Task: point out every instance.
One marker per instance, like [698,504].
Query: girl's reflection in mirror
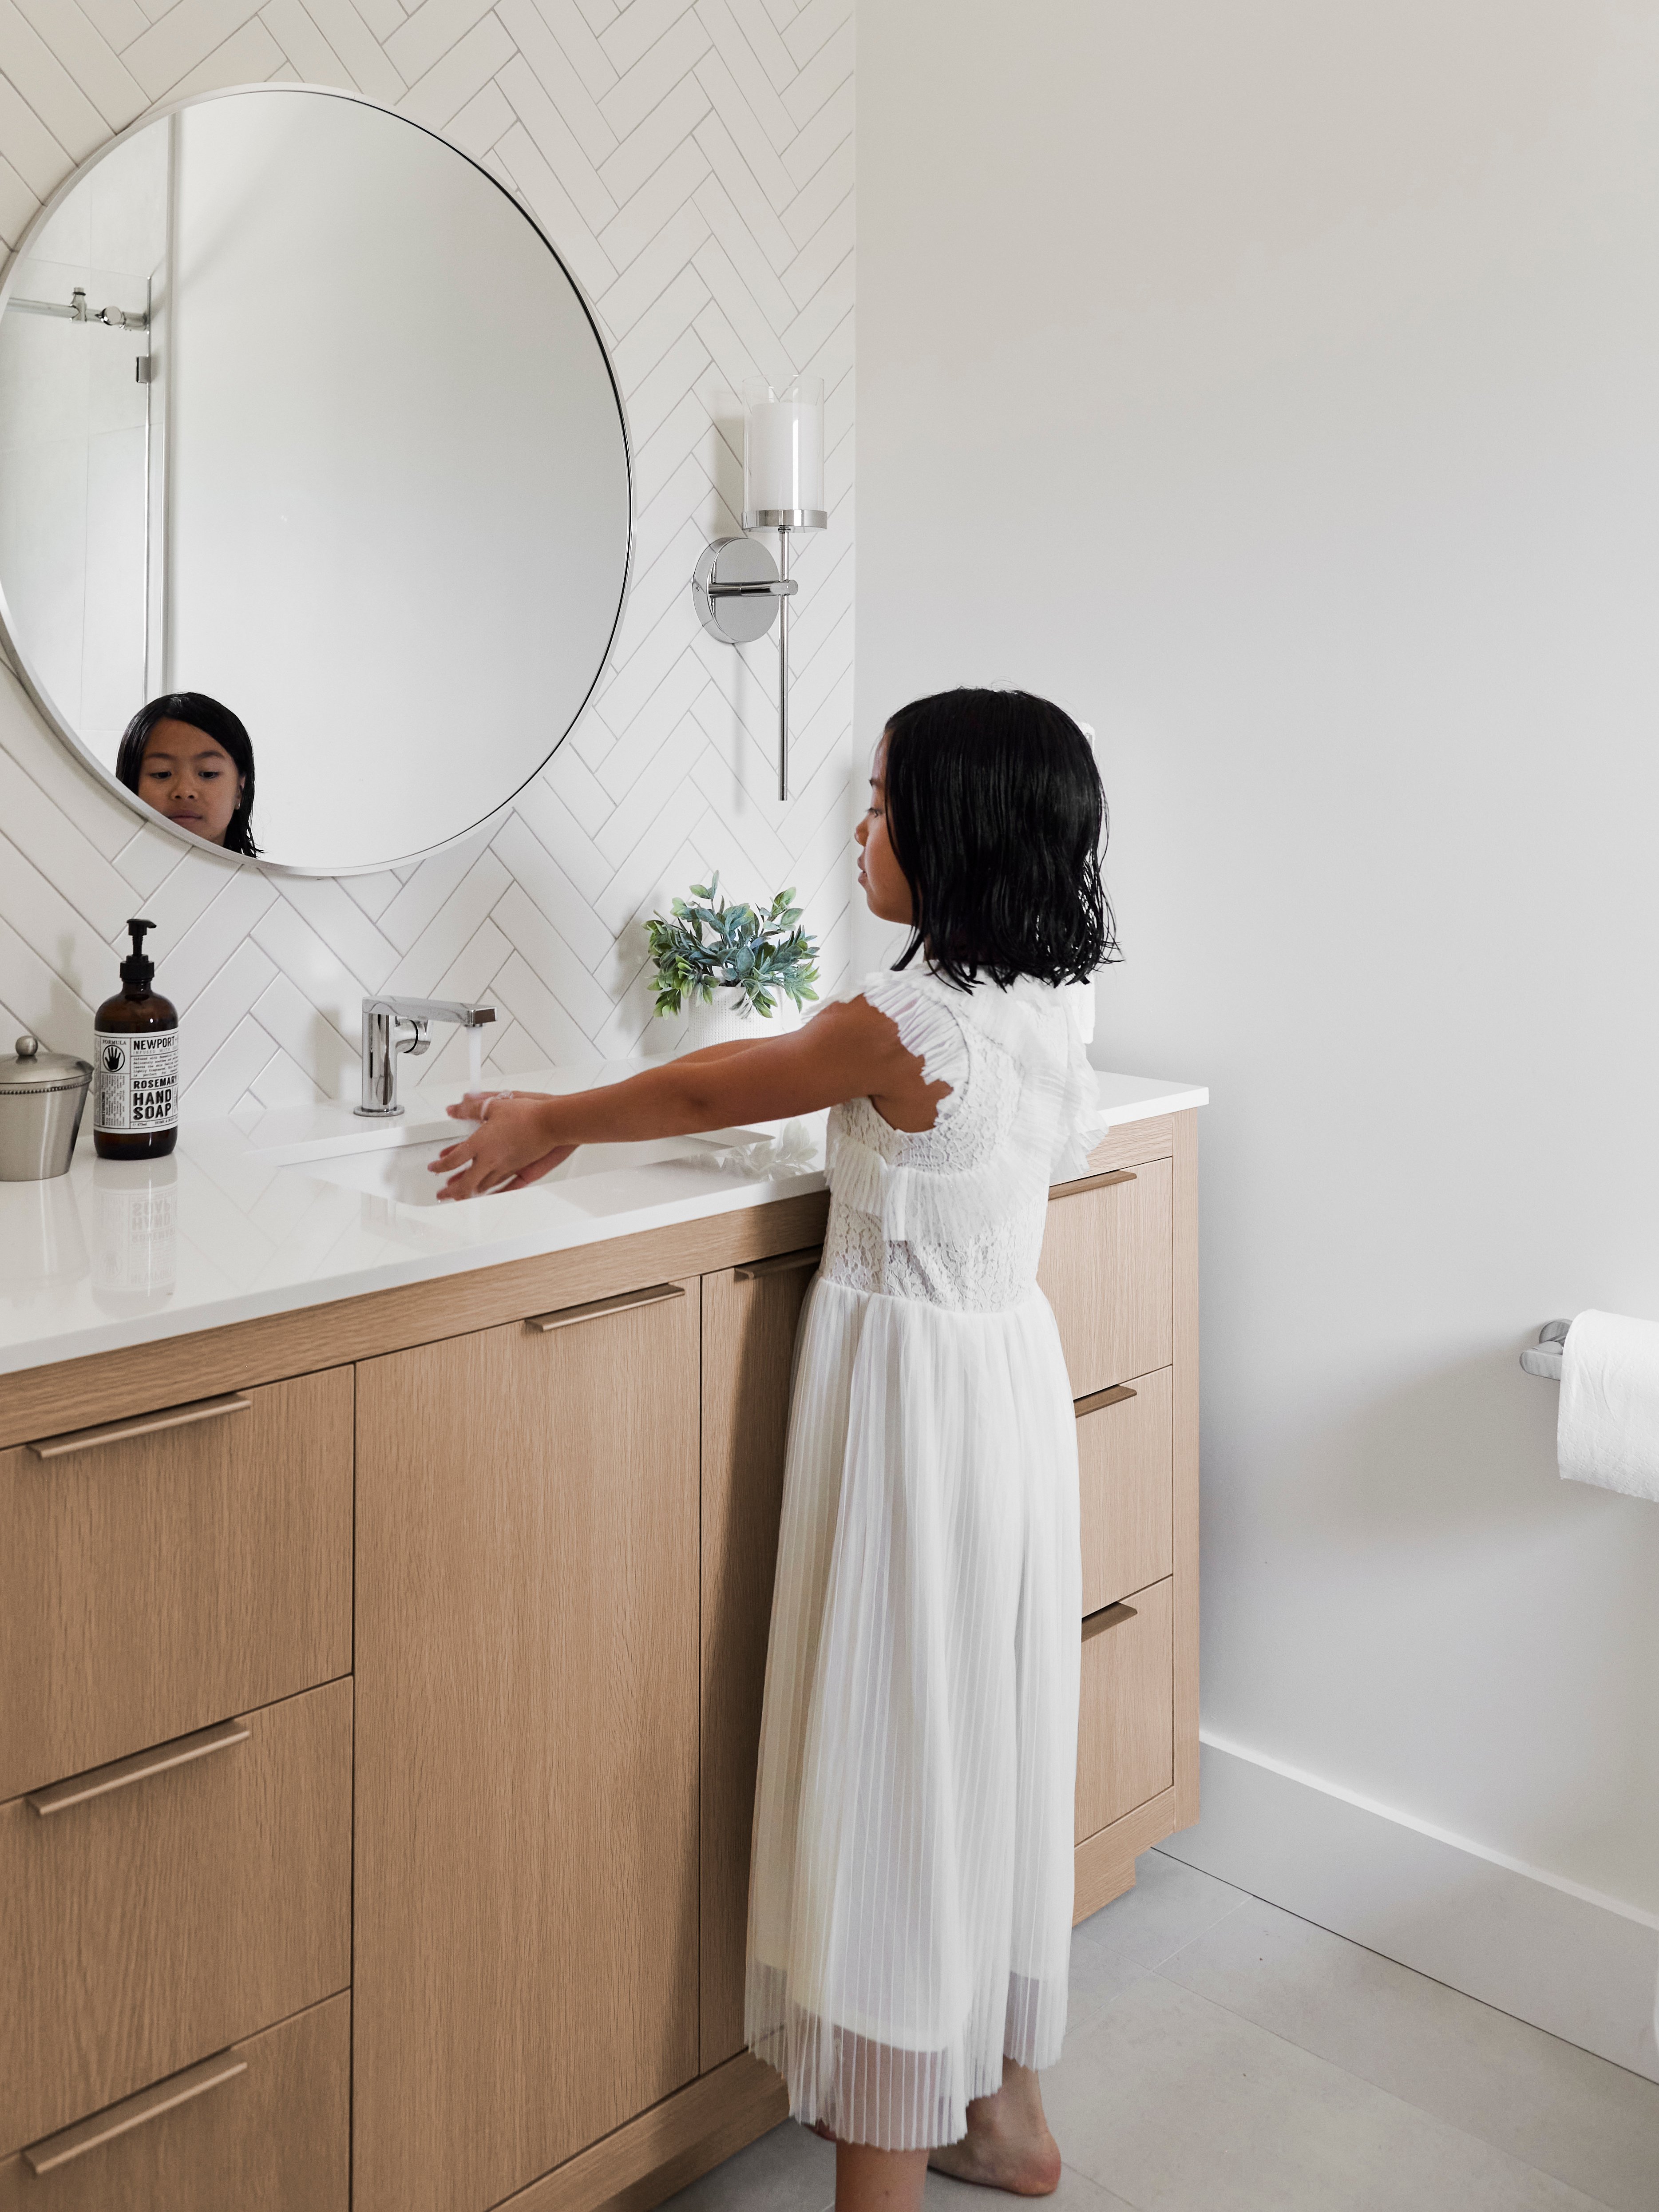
[191,759]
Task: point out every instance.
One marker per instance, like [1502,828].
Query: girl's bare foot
[1007,2145]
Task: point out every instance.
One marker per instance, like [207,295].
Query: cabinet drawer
[1107,1272]
[146,1927]
[274,2136]
[1124,1451]
[1125,1713]
[155,1583]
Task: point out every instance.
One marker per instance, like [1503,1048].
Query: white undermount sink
[400,1171]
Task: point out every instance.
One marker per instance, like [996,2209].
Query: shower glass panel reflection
[81,443]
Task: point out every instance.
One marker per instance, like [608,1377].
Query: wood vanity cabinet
[378,1739]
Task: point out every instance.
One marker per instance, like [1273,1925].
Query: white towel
[1608,1430]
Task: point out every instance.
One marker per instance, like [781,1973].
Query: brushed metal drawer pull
[140,1424]
[567,1316]
[132,2112]
[1092,1183]
[1101,1399]
[1110,1616]
[99,1781]
[786,1263]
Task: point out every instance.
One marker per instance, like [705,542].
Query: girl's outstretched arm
[847,1050]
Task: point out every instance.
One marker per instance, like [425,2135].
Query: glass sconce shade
[783,454]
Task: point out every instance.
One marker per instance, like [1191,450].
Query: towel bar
[1545,1358]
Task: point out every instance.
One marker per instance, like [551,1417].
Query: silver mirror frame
[19,659]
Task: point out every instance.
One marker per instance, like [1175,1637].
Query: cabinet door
[1107,1271]
[748,1323]
[525,1969]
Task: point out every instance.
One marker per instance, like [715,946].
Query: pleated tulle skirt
[910,1902]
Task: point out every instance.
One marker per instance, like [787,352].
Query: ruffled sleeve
[1037,1026]
[917,1006]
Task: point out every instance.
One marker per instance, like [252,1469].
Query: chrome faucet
[381,1048]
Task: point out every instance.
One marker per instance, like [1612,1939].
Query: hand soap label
[136,1078]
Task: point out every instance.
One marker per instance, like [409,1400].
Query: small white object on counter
[301,1207]
[1607,1428]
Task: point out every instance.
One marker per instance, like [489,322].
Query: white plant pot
[731,1019]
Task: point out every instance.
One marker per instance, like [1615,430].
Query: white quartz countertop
[308,1205]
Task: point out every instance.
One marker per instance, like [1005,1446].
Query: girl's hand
[507,1151]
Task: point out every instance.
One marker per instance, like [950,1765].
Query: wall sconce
[738,587]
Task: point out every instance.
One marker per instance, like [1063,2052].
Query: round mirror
[300,413]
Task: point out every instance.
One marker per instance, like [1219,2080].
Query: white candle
[783,448]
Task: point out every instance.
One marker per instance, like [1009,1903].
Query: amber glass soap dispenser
[135,1064]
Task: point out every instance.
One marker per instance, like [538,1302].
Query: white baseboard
[1578,1965]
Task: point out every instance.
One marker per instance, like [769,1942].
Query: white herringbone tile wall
[692,160]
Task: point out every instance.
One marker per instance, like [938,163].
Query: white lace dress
[910,1902]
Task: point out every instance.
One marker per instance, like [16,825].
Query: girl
[910,1891]
[191,759]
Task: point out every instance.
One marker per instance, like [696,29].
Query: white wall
[694,164]
[1277,385]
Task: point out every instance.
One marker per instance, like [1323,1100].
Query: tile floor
[1225,2056]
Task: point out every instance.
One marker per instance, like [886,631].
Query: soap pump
[135,1062]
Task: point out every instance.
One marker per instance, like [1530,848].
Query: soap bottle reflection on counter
[134,1214]
[135,1064]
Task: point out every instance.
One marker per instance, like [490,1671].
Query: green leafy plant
[706,945]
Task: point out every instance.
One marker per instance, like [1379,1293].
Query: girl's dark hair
[996,815]
[214,721]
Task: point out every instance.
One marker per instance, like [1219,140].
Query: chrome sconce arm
[738,589]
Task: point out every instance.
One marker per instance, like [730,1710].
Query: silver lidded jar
[42,1095]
